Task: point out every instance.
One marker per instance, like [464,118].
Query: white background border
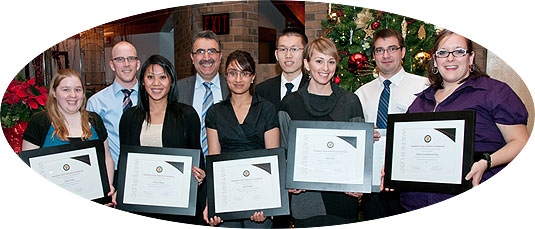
[30,27]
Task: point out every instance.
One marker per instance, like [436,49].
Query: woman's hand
[296,191]
[376,134]
[383,181]
[199,174]
[214,221]
[476,173]
[354,194]
[258,217]
[113,194]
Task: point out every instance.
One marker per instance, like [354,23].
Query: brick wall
[314,13]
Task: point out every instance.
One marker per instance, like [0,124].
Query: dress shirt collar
[395,79]
[117,87]
[199,81]
[295,81]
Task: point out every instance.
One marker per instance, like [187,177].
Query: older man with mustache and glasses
[206,87]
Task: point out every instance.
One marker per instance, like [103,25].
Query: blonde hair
[322,45]
[56,117]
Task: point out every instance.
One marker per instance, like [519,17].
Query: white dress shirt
[295,82]
[402,93]
[200,90]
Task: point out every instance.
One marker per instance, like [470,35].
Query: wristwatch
[487,158]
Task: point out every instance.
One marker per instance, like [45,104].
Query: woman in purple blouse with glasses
[458,84]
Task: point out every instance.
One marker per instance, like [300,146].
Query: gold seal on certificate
[330,156]
[429,151]
[157,180]
[77,167]
[241,183]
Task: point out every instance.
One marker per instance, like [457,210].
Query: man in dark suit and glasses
[289,54]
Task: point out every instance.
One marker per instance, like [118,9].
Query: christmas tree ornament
[333,18]
[404,28]
[357,62]
[343,40]
[421,32]
[421,59]
[337,80]
[375,72]
[375,25]
[369,32]
[351,36]
[438,29]
[362,18]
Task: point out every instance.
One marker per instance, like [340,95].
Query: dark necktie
[289,87]
[382,111]
[127,103]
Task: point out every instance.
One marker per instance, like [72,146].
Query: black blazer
[181,129]
[270,89]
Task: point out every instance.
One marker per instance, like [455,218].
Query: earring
[434,70]
[471,68]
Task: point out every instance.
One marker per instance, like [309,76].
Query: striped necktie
[207,101]
[127,103]
[382,111]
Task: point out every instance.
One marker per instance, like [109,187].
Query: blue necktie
[127,103]
[207,101]
[289,87]
[382,111]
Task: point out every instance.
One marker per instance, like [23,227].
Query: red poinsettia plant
[21,100]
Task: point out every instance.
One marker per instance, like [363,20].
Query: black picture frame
[99,152]
[155,151]
[236,156]
[364,187]
[467,157]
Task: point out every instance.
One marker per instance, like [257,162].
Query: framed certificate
[242,183]
[330,156]
[429,152]
[78,167]
[157,180]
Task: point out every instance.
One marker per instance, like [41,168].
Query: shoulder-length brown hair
[56,117]
[436,80]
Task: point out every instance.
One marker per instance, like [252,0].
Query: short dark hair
[206,34]
[292,31]
[245,61]
[143,96]
[386,33]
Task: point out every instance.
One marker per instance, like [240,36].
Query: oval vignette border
[503,193]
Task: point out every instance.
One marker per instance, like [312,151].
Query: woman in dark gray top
[321,100]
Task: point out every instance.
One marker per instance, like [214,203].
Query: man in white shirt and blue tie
[392,92]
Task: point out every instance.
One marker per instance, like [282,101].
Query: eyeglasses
[121,59]
[455,53]
[292,50]
[243,74]
[389,49]
[211,51]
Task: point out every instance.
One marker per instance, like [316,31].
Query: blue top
[107,103]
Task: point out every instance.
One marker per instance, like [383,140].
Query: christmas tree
[352,29]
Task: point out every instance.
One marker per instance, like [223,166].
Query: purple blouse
[493,101]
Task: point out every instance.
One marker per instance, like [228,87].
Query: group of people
[227,113]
